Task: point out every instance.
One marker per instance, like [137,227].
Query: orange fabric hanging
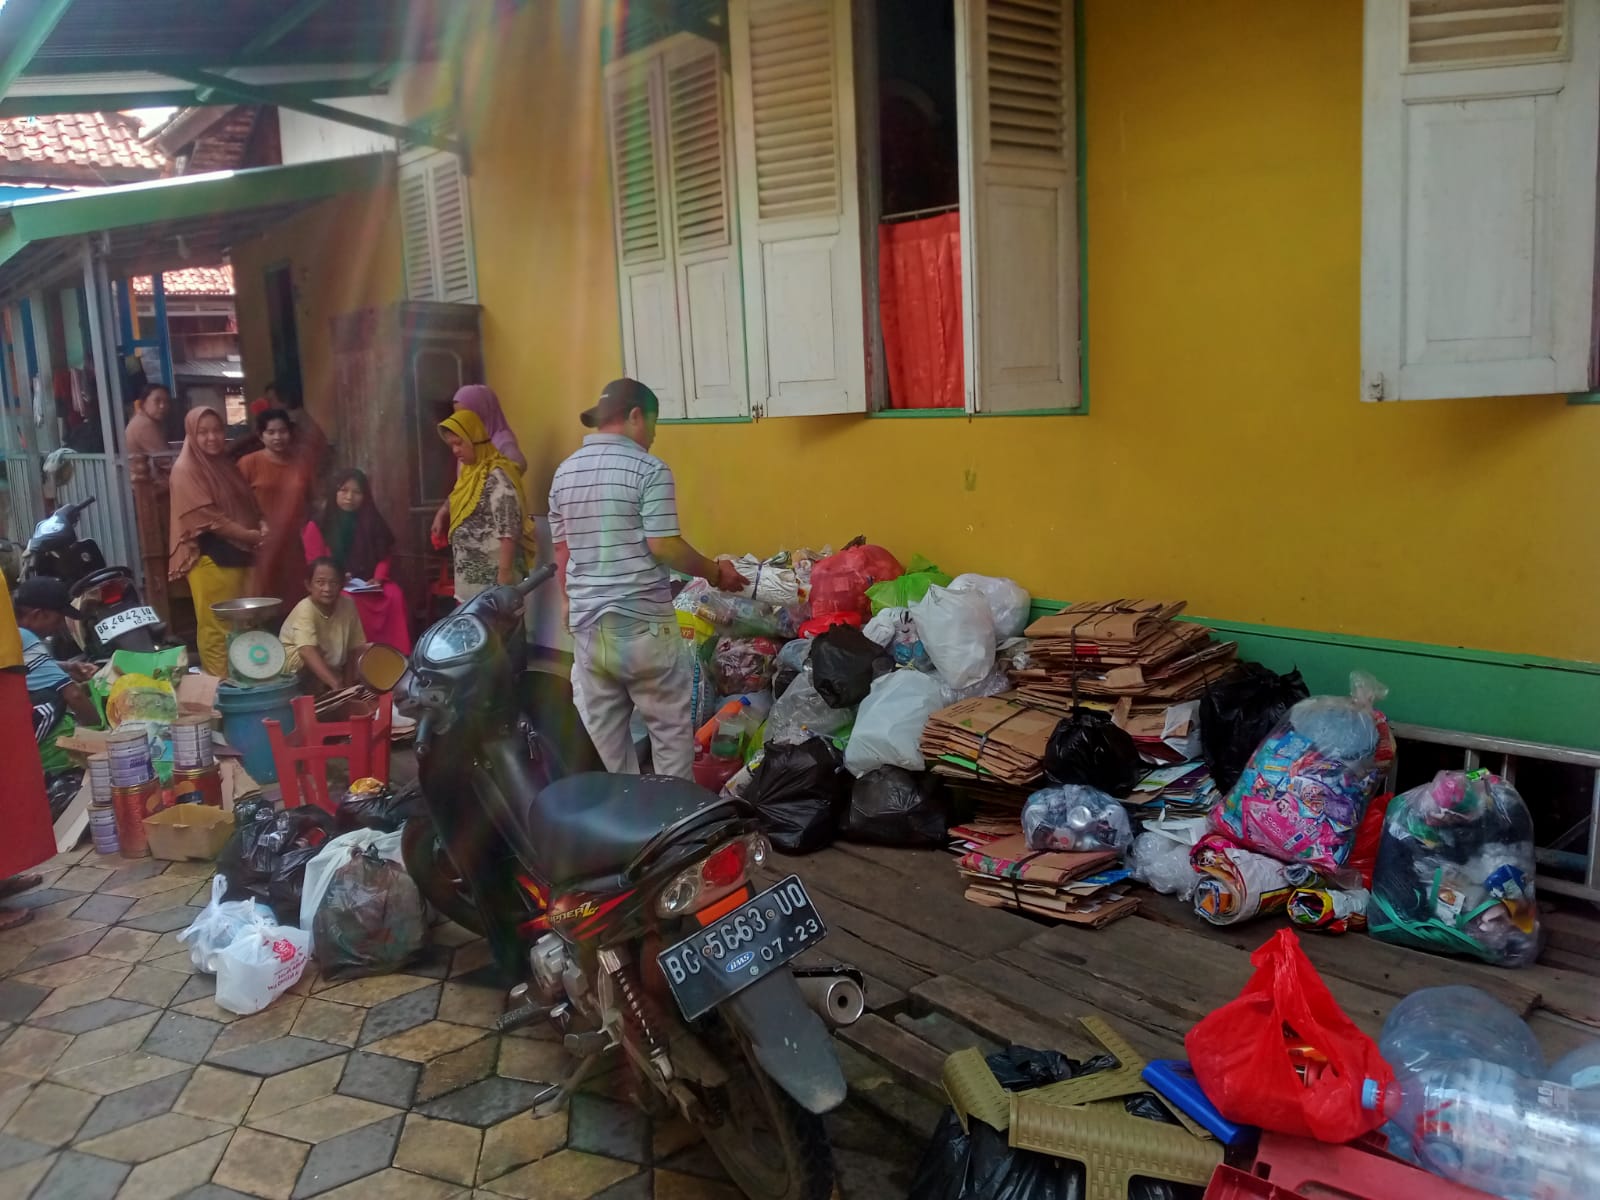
[919,302]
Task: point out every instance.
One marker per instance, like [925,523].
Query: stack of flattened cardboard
[1080,889]
[1133,649]
[989,737]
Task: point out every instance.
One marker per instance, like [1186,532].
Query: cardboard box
[188,831]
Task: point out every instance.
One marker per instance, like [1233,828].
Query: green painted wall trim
[1583,398]
[1524,696]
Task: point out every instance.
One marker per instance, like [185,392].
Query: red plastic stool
[302,757]
[1288,1167]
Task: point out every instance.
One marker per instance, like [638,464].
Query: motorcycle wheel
[435,876]
[771,1148]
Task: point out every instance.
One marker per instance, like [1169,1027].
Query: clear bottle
[1483,1125]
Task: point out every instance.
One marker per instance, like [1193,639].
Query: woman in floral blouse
[491,537]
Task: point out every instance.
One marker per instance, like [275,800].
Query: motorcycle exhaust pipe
[837,999]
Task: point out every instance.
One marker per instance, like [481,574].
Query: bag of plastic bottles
[801,713]
[1308,784]
[1455,871]
[786,667]
[1075,818]
[1284,1056]
[744,665]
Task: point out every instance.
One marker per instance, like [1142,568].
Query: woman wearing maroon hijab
[350,530]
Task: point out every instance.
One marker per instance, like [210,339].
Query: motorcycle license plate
[129,619]
[734,951]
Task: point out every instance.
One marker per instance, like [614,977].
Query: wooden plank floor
[927,954]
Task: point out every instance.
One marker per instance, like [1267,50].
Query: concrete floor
[120,1076]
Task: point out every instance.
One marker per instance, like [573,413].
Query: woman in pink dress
[350,530]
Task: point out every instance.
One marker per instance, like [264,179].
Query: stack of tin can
[135,792]
[196,778]
[102,816]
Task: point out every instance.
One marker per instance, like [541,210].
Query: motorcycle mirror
[381,667]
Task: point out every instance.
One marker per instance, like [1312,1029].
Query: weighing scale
[255,655]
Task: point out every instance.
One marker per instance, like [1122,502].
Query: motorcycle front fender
[789,1041]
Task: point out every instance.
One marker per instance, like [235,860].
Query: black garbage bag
[1238,713]
[370,920]
[1088,748]
[265,856]
[890,806]
[385,809]
[844,662]
[799,793]
[980,1165]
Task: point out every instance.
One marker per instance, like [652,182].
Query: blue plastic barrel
[244,708]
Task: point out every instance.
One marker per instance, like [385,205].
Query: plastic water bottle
[1579,1069]
[1481,1124]
[1446,1024]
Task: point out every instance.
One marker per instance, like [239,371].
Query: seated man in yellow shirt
[322,635]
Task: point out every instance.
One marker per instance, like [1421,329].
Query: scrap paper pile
[1133,649]
[992,738]
[1182,790]
[1080,889]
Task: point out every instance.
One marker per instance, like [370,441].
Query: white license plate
[125,621]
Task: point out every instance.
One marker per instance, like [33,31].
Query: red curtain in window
[919,303]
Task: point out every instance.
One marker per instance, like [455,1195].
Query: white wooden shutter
[646,278]
[799,211]
[699,172]
[1478,197]
[1019,244]
[436,229]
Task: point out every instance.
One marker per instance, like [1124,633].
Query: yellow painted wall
[344,254]
[1227,459]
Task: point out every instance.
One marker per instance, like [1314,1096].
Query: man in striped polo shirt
[614,520]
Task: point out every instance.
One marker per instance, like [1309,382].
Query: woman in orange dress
[150,458]
[280,476]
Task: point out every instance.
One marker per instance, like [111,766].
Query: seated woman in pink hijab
[480,399]
[350,530]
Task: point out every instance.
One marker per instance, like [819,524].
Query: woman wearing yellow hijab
[491,537]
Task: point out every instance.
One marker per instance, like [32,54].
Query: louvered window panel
[1025,62]
[451,230]
[416,236]
[699,179]
[1475,33]
[797,144]
[634,165]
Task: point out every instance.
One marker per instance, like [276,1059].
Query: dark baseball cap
[46,593]
[619,398]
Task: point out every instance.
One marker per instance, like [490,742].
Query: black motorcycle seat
[590,825]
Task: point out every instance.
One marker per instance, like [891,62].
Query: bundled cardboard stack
[991,738]
[1079,889]
[1132,650]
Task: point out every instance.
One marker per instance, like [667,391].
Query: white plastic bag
[1009,603]
[218,923]
[958,634]
[263,961]
[1075,817]
[888,729]
[332,856]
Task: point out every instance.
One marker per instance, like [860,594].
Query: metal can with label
[203,785]
[132,806]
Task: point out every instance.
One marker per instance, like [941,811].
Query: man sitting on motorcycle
[56,690]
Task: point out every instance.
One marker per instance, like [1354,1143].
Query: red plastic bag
[1245,1054]
[839,582]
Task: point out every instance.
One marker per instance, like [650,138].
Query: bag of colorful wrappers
[1455,871]
[1308,785]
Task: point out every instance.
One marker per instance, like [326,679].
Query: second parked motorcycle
[114,615]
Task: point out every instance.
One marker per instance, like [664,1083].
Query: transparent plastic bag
[888,728]
[786,667]
[744,665]
[1455,871]
[263,961]
[1163,864]
[1076,818]
[802,713]
[218,924]
[958,634]
[1009,603]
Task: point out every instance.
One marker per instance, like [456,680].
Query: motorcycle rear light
[712,878]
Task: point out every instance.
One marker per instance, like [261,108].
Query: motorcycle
[636,924]
[114,617]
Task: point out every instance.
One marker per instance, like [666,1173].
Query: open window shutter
[645,272]
[416,234]
[699,172]
[452,231]
[1478,205]
[799,211]
[1019,204]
